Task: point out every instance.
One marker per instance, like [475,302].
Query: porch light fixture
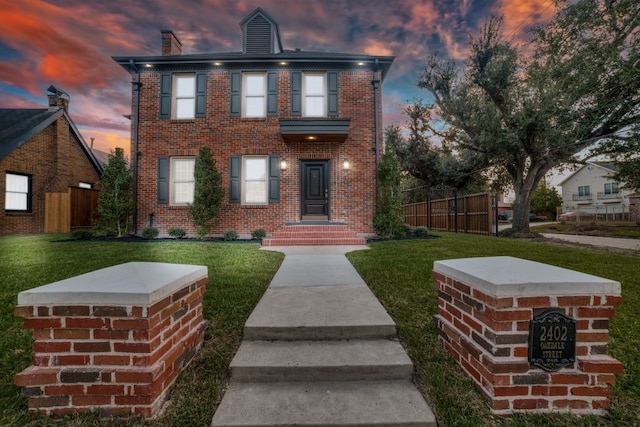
[311,137]
[360,63]
[217,63]
[148,65]
[283,63]
[345,165]
[283,165]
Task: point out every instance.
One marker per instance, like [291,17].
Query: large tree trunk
[521,209]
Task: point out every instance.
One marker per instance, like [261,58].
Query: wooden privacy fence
[474,213]
[76,208]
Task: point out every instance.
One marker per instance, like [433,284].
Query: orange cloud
[520,16]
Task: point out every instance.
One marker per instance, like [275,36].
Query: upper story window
[584,190]
[184,96]
[314,89]
[18,193]
[611,188]
[182,180]
[255,95]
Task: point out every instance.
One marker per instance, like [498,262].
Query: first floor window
[611,188]
[18,193]
[254,180]
[584,190]
[184,96]
[182,180]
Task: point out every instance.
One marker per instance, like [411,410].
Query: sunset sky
[70,43]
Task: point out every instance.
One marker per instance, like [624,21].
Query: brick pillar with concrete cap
[112,340]
[487,308]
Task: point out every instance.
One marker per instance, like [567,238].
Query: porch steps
[314,235]
[321,356]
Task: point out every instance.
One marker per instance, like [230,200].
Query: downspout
[376,114]
[134,140]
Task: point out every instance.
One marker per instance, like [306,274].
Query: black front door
[315,189]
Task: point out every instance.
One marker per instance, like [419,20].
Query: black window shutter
[201,93]
[163,180]
[165,95]
[332,93]
[235,163]
[274,179]
[236,88]
[296,93]
[272,93]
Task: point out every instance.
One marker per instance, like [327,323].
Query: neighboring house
[590,191]
[296,135]
[41,152]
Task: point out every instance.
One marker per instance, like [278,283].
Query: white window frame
[174,179]
[584,190]
[248,97]
[613,188]
[175,98]
[16,193]
[306,97]
[247,179]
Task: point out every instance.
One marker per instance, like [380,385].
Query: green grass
[238,276]
[399,273]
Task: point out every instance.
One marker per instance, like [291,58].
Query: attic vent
[258,37]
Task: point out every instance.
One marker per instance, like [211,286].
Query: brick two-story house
[295,134]
[42,153]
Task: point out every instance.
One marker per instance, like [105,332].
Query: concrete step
[353,360]
[314,241]
[288,234]
[319,313]
[346,403]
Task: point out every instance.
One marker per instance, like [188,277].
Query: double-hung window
[182,180]
[255,190]
[611,188]
[17,193]
[584,191]
[184,96]
[255,95]
[314,89]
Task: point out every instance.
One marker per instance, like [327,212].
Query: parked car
[503,217]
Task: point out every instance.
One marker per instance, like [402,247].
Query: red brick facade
[55,161]
[347,131]
[352,191]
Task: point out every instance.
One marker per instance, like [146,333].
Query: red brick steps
[314,235]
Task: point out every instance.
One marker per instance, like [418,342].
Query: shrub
[150,233]
[82,234]
[230,236]
[115,200]
[258,234]
[208,193]
[177,232]
[420,232]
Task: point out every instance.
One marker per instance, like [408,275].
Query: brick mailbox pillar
[113,340]
[533,337]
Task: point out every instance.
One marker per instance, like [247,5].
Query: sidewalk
[320,349]
[609,242]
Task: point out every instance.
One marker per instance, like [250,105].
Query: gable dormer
[260,33]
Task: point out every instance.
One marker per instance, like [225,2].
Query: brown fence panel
[84,206]
[474,214]
[56,213]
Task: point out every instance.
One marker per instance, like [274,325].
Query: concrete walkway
[320,350]
[609,242]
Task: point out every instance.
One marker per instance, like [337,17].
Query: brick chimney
[58,98]
[170,43]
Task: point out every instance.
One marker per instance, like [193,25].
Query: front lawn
[238,276]
[399,273]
